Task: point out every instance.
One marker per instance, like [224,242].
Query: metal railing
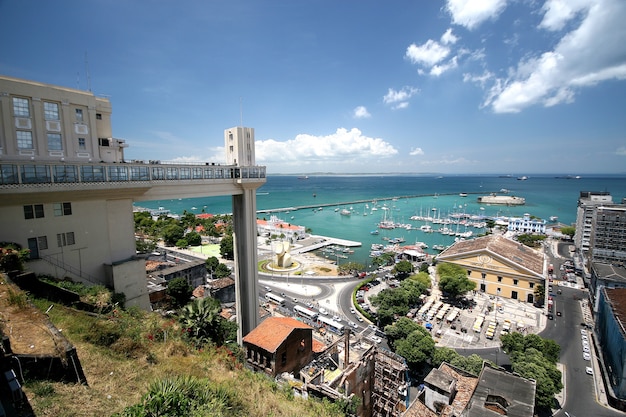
[18,173]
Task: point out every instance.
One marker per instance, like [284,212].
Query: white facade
[587,203]
[66,191]
[526,225]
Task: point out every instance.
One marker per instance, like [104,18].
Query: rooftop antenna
[241,111]
[78,80]
[87,72]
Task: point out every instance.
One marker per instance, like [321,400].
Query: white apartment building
[67,192]
[587,202]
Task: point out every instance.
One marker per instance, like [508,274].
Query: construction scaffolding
[391,385]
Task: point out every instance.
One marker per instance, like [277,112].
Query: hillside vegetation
[140,364]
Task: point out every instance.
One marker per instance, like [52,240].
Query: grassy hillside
[124,353]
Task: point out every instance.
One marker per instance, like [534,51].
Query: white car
[359,318]
[589,370]
[586,349]
[352,310]
[583,332]
[585,344]
[586,356]
[323,311]
[584,338]
[353,324]
[337,318]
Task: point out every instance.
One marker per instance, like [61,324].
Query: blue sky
[456,86]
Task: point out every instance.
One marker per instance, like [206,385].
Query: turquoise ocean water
[398,197]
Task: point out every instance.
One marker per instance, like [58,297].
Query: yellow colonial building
[499,266]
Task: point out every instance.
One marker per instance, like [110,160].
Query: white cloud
[342,146]
[559,12]
[621,151]
[437,70]
[448,38]
[416,151]
[591,53]
[361,113]
[429,54]
[471,13]
[480,79]
[398,99]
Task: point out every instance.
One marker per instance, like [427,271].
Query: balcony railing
[154,171]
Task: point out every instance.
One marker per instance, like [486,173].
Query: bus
[306,313]
[273,298]
[330,324]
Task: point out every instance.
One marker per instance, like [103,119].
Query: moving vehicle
[305,312]
[273,298]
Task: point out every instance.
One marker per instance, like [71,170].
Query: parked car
[586,356]
[589,370]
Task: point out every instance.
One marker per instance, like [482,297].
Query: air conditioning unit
[23,123]
[53,126]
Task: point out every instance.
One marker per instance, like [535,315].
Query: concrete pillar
[246,260]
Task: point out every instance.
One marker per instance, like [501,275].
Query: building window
[51,111]
[515,281]
[79,115]
[499,279]
[514,295]
[65,239]
[98,116]
[21,107]
[33,211]
[42,242]
[483,275]
[24,139]
[469,272]
[103,141]
[54,142]
[35,174]
[62,209]
[81,144]
[92,173]
[531,284]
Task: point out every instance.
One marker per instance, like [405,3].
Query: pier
[314,206]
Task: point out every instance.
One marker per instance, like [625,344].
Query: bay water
[317,201]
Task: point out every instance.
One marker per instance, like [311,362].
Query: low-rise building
[279,344]
[527,225]
[500,266]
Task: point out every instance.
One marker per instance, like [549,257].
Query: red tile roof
[272,332]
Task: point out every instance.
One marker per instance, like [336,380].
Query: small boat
[374,232]
[345,212]
[554,218]
[463,195]
[522,178]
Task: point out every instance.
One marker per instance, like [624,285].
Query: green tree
[145,245]
[568,231]
[12,256]
[227,247]
[403,269]
[472,363]
[399,330]
[172,233]
[540,294]
[443,354]
[391,302]
[350,268]
[180,291]
[453,280]
[531,241]
[193,238]
[203,324]
[211,264]
[534,357]
[417,348]
[424,267]
[222,271]
[182,243]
